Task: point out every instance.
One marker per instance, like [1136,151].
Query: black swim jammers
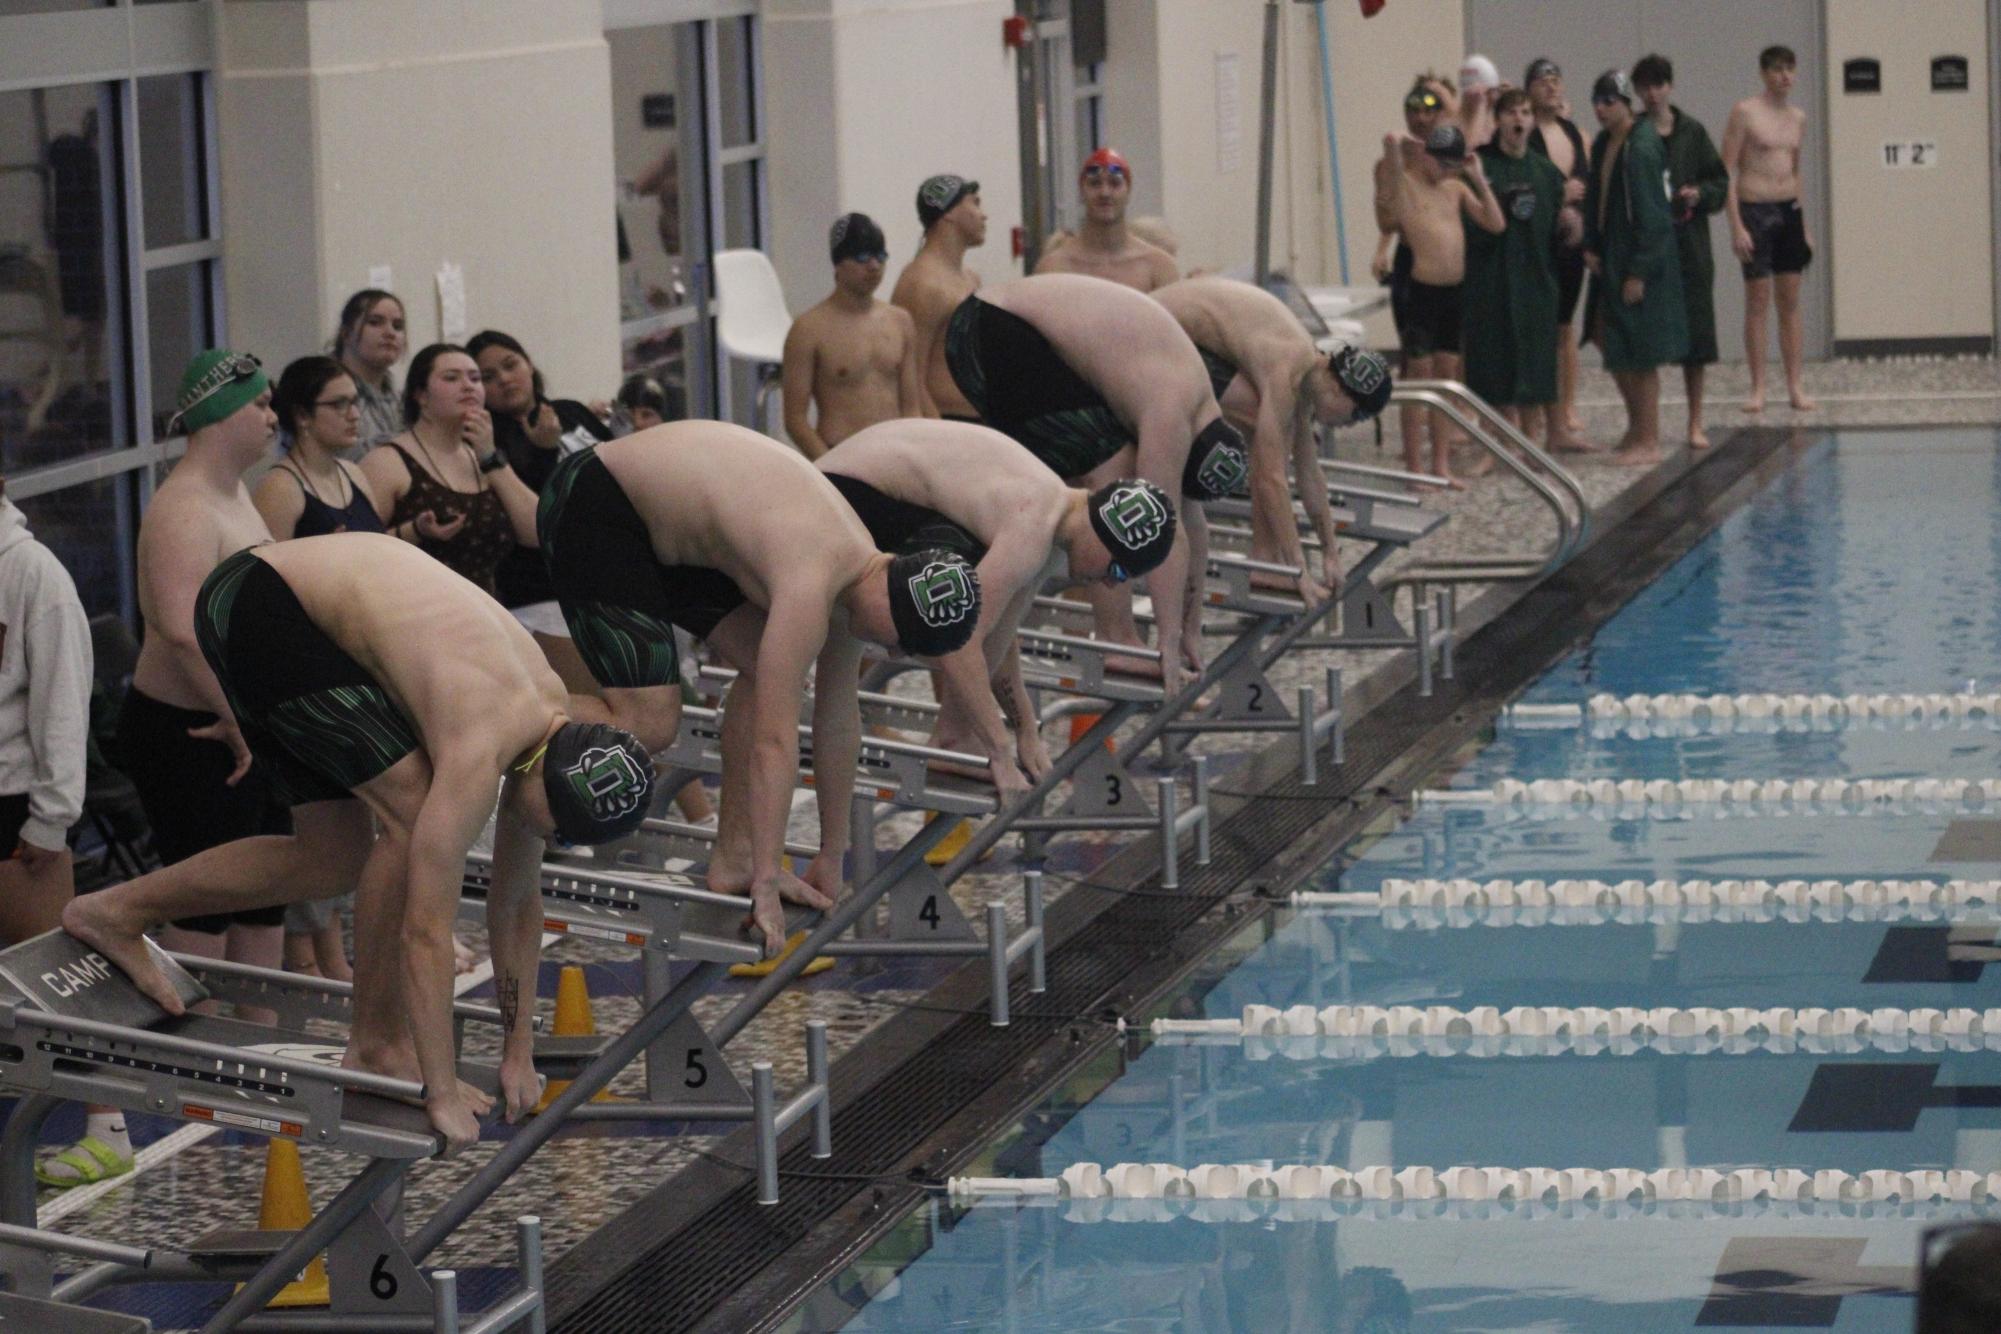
[901,528]
[1222,371]
[1022,388]
[620,602]
[1778,238]
[308,711]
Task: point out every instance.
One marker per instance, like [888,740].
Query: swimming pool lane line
[1756,711]
[1672,798]
[1316,1192]
[1429,904]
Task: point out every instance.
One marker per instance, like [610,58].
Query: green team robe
[1693,160]
[1509,295]
[1634,238]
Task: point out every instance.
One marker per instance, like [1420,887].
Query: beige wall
[358,133]
[866,98]
[1912,248]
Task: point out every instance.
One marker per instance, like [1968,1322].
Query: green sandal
[90,1158]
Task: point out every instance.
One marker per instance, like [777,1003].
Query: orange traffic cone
[285,1208]
[1080,723]
[573,1020]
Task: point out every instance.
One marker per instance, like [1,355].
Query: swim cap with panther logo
[1364,377]
[941,194]
[1135,520]
[934,600]
[1216,465]
[599,781]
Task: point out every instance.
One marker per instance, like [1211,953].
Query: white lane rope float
[1222,1192]
[1719,798]
[1431,903]
[1723,713]
[1348,1032]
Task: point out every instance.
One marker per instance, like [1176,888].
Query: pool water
[1872,564]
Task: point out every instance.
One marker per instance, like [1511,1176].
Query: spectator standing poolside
[1635,308]
[1699,185]
[449,488]
[1429,204]
[851,359]
[1761,151]
[1511,276]
[1104,247]
[933,284]
[1557,138]
[533,432]
[45,670]
[368,344]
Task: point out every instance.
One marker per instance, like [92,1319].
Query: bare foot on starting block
[95,920]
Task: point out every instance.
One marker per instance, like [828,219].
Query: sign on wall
[1948,74]
[1864,74]
[1910,153]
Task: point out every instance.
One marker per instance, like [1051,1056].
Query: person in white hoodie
[45,669]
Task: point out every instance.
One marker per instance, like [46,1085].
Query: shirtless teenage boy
[1103,246]
[1427,203]
[1761,151]
[1099,382]
[372,680]
[972,490]
[933,284]
[852,356]
[1557,138]
[1271,382]
[739,541]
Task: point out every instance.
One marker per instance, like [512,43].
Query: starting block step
[27,1315]
[562,1057]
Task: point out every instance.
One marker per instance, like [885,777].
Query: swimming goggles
[1109,170]
[1422,101]
[1116,574]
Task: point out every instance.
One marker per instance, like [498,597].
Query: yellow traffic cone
[285,1208]
[763,967]
[951,845]
[573,1020]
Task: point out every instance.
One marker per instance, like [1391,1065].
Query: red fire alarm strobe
[1019,238]
[1014,31]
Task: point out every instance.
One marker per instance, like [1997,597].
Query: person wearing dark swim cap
[970,489]
[936,280]
[1104,245]
[851,359]
[1276,387]
[400,760]
[1099,382]
[736,539]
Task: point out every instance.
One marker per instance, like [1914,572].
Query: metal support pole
[528,1241]
[816,1074]
[1309,768]
[997,961]
[767,1132]
[1201,788]
[445,1301]
[1340,707]
[284,1265]
[1448,617]
[1170,841]
[1267,118]
[1421,616]
[1031,892]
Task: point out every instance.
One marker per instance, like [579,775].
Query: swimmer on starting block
[921,483]
[358,667]
[739,541]
[1099,383]
[1269,377]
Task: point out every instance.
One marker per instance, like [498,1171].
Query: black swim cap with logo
[855,236]
[934,600]
[1217,465]
[940,195]
[1135,520]
[599,781]
[1364,377]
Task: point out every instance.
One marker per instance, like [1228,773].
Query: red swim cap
[1108,157]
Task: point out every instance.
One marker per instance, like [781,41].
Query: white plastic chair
[751,321]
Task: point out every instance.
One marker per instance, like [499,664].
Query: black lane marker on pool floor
[924,1091]
[1919,954]
[1882,1098]
[1794,1282]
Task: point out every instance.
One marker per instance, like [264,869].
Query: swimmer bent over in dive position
[357,666]
[738,540]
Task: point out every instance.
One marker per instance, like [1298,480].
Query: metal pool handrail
[1445,396]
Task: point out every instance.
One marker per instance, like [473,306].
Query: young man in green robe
[1635,308]
[1510,289]
[1699,182]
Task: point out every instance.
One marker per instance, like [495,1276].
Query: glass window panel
[654,122]
[737,79]
[740,222]
[92,529]
[179,323]
[59,273]
[172,175]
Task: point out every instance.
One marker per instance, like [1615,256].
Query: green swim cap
[215,384]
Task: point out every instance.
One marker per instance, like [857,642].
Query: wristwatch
[493,462]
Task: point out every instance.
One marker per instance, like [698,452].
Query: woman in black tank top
[313,490]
